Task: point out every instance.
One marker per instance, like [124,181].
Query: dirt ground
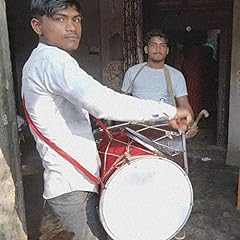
[214,215]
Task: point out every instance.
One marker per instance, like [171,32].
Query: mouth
[72,37]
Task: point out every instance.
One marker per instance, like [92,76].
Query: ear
[36,26]
[146,49]
[167,50]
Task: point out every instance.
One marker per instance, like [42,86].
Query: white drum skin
[148,198]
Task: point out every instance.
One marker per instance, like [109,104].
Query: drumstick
[203,112]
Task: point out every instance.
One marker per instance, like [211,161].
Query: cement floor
[214,215]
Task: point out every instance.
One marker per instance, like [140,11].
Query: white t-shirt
[58,97]
[151,84]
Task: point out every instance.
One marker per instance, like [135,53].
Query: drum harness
[167,79]
[60,151]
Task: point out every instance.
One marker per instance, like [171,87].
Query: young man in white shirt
[58,97]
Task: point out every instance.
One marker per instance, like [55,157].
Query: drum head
[149,198]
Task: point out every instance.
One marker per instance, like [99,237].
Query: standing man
[58,96]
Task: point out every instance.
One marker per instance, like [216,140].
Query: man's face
[62,30]
[157,49]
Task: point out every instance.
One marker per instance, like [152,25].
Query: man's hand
[182,119]
[191,132]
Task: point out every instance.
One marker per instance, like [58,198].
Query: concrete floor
[214,215]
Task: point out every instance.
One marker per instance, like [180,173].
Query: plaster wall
[12,211]
[234,103]
[89,53]
[111,19]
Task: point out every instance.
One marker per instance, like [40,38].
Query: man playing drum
[158,81]
[58,96]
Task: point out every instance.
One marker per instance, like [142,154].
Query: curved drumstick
[203,112]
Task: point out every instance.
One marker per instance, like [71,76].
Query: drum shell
[110,150]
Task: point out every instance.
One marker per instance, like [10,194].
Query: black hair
[155,33]
[49,7]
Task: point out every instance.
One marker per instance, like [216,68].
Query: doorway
[196,54]
[189,27]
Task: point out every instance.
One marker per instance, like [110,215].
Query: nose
[158,46]
[70,27]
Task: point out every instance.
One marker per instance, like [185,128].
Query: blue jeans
[78,212]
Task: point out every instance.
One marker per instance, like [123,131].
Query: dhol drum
[145,195]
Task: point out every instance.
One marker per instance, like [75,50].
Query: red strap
[103,126]
[59,150]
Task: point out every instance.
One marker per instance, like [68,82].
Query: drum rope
[105,155]
[114,166]
[133,146]
[167,132]
[128,145]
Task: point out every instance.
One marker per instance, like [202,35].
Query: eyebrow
[65,15]
[157,42]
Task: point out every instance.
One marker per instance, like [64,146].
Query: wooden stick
[203,112]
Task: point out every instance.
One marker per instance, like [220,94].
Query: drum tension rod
[102,185]
[127,157]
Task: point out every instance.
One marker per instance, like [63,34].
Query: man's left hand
[181,120]
[191,132]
